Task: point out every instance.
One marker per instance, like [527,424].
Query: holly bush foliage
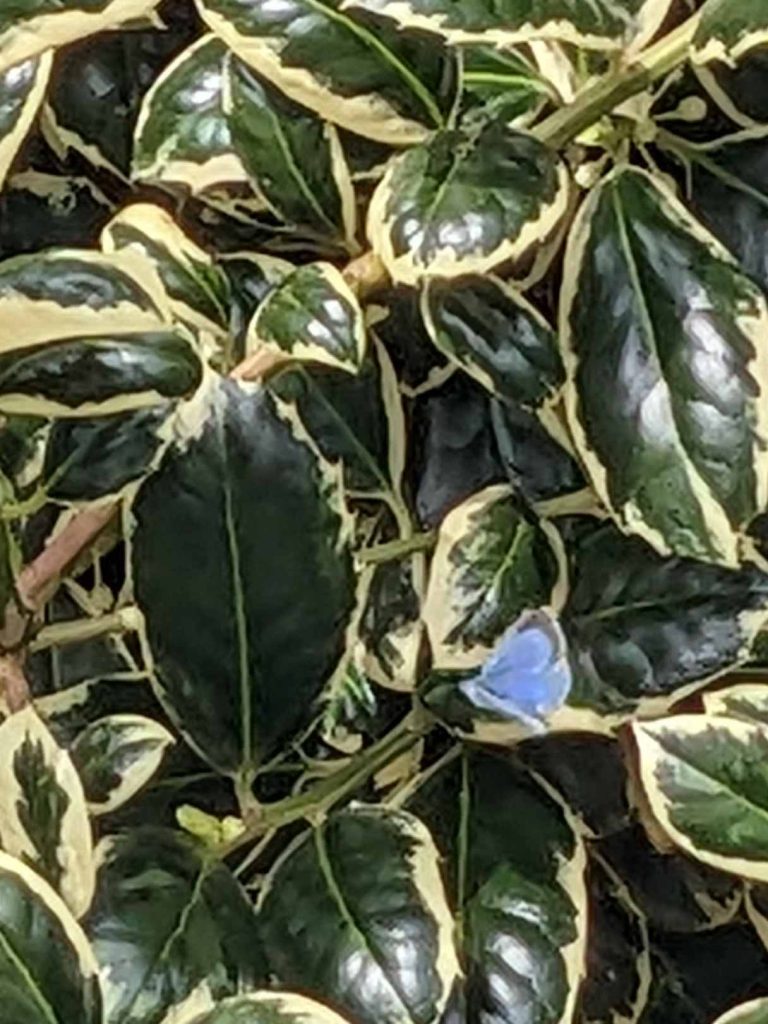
[383,512]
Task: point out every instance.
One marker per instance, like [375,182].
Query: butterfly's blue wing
[528,676]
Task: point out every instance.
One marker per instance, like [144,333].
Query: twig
[13,683]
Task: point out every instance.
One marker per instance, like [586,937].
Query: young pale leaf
[43,816]
[22,88]
[116,756]
[48,974]
[665,388]
[245,635]
[30,27]
[312,316]
[356,420]
[168,921]
[630,614]
[518,893]
[705,780]
[276,1008]
[600,24]
[353,71]
[730,28]
[754,1012]
[87,459]
[183,136]
[89,376]
[488,329]
[294,158]
[354,912]
[747,701]
[491,563]
[197,288]
[466,200]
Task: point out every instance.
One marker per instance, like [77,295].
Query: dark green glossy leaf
[518,894]
[630,614]
[91,375]
[601,25]
[391,629]
[252,276]
[730,28]
[43,818]
[197,288]
[182,135]
[538,467]
[245,630]
[90,458]
[276,1008]
[166,922]
[665,386]
[29,27]
[466,200]
[618,958]
[116,756]
[312,316]
[97,87]
[489,330]
[356,420]
[48,974]
[355,913]
[491,563]
[503,82]
[22,88]
[673,892]
[39,209]
[706,782]
[356,72]
[293,157]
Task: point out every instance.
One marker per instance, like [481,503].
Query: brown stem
[13,683]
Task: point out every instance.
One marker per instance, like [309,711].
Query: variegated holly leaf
[87,458]
[753,1012]
[489,330]
[351,70]
[49,974]
[168,921]
[730,28]
[30,27]
[517,894]
[504,82]
[183,136]
[197,288]
[492,562]
[705,781]
[22,88]
[355,420]
[391,628]
[276,1008]
[354,913]
[252,276]
[600,25]
[468,199]
[245,634]
[630,613]
[311,316]
[116,756]
[98,375]
[664,390]
[43,816]
[747,701]
[96,91]
[294,159]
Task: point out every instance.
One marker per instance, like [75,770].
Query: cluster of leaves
[346,349]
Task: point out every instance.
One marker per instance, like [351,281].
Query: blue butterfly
[527,676]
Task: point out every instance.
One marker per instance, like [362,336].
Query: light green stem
[608,92]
